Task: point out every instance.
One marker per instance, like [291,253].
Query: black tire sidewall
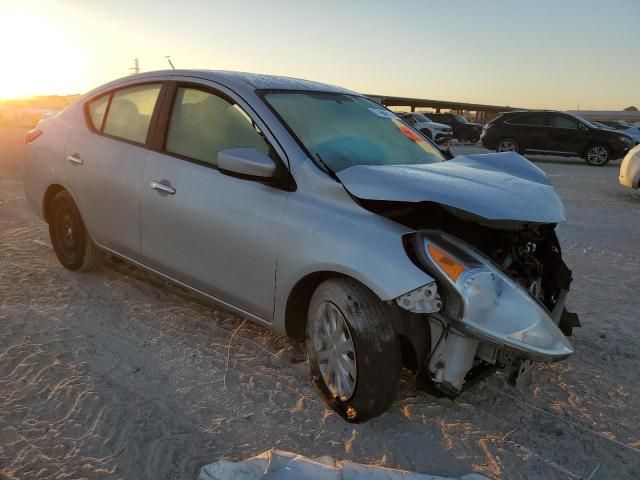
[73,259]
[376,345]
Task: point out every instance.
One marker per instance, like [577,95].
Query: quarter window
[130,112]
[202,124]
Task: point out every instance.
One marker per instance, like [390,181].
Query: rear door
[530,131]
[214,232]
[105,159]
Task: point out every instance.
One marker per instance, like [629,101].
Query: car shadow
[567,161]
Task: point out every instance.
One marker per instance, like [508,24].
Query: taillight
[31,135]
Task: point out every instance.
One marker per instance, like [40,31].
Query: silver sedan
[317,212]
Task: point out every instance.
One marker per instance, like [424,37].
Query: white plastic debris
[277,465]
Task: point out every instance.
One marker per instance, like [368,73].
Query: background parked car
[554,133]
[463,129]
[615,124]
[633,132]
[630,169]
[438,132]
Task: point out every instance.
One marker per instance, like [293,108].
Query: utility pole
[136,67]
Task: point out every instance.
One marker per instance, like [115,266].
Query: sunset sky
[540,54]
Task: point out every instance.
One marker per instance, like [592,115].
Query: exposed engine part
[425,299]
[451,359]
[517,369]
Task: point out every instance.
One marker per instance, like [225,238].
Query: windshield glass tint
[462,119]
[343,130]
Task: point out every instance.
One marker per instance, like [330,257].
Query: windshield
[462,119]
[421,117]
[585,122]
[342,130]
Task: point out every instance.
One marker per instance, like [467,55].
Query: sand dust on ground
[115,374]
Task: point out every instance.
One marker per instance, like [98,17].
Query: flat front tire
[354,351]
[69,237]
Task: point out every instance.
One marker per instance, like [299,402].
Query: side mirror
[246,162]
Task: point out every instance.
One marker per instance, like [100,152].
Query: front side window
[343,130]
[130,112]
[461,119]
[203,123]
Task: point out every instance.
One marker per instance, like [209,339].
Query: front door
[212,231]
[564,134]
[105,161]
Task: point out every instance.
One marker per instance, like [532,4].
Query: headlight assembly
[485,303]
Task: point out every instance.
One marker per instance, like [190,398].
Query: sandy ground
[114,374]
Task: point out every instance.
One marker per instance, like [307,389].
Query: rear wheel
[354,352]
[69,237]
[597,155]
[507,145]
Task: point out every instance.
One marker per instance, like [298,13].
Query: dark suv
[554,133]
[463,129]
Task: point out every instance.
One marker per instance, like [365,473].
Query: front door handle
[163,188]
[75,159]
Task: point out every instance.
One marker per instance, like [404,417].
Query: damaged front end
[498,300]
[490,314]
[484,229]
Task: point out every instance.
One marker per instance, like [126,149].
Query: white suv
[438,132]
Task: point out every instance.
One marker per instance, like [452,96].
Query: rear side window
[560,121]
[536,119]
[130,111]
[97,108]
[203,123]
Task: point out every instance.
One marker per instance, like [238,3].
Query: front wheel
[69,237]
[354,352]
[597,155]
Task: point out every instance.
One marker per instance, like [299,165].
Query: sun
[36,56]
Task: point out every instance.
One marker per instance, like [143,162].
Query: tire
[366,354]
[507,145]
[69,237]
[597,155]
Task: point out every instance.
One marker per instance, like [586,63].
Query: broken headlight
[484,302]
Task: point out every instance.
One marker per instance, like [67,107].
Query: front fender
[345,239]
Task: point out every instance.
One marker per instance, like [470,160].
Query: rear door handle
[75,159]
[163,188]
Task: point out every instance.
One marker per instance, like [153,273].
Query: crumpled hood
[494,186]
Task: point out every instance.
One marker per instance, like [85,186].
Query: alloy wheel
[507,146]
[597,155]
[335,351]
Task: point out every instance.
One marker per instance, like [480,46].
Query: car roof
[237,80]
